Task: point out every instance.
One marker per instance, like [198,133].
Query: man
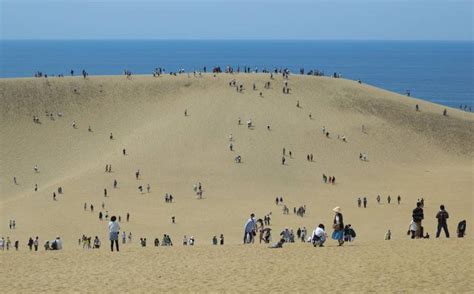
[286,234]
[442,217]
[249,229]
[418,216]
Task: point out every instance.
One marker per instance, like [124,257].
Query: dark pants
[250,234]
[443,226]
[112,245]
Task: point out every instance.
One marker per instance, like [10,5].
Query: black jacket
[418,214]
[341,221]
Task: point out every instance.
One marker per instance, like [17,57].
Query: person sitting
[461,229]
[319,236]
[238,159]
[279,244]
[57,244]
[96,243]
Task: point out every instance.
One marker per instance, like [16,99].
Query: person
[319,236]
[56,244]
[359,202]
[378,199]
[221,239]
[461,229]
[114,230]
[399,199]
[418,217]
[349,233]
[185,240]
[30,243]
[249,230]
[389,199]
[412,229]
[279,244]
[36,243]
[128,217]
[214,240]
[96,243]
[338,226]
[388,235]
[442,217]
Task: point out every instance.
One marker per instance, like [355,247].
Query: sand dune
[412,154]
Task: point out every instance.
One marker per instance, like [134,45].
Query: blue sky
[232,19]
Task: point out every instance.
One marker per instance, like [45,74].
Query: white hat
[336,209]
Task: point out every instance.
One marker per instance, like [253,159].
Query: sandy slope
[412,154]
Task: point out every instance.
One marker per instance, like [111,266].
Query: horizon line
[235,39]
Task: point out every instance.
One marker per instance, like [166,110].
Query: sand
[412,154]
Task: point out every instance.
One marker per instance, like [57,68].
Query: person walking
[442,217]
[249,229]
[114,230]
[338,226]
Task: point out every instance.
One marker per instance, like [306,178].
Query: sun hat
[336,209]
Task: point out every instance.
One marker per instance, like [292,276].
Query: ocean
[437,71]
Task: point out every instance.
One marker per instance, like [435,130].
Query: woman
[114,230]
[338,226]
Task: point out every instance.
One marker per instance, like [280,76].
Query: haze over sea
[437,71]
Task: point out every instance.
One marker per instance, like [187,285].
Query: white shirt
[318,232]
[59,243]
[114,227]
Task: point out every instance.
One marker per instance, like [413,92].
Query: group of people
[88,243]
[416,229]
[342,233]
[330,179]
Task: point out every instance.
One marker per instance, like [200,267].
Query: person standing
[249,229]
[365,202]
[338,226]
[36,243]
[418,217]
[442,217]
[114,230]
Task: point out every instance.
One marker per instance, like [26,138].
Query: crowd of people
[341,233]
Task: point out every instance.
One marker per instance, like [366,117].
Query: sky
[237,19]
